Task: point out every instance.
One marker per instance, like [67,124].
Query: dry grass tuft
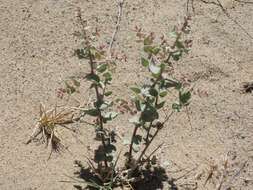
[46,127]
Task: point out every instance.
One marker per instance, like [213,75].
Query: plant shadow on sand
[154,178]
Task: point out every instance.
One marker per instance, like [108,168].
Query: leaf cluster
[150,100]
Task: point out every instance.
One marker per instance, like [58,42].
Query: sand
[37,55]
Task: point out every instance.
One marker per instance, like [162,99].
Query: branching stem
[153,137]
[100,117]
[147,145]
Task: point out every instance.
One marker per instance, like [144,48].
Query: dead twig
[184,175]
[154,151]
[224,173]
[233,20]
[210,175]
[245,2]
[236,174]
[120,8]
[219,4]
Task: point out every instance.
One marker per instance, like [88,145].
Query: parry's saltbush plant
[150,100]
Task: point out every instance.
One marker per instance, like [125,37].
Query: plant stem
[100,117]
[153,137]
[132,142]
[148,158]
[173,46]
[150,125]
[147,145]
[148,132]
[179,34]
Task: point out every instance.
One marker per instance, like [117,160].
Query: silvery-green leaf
[154,69]
[102,68]
[126,141]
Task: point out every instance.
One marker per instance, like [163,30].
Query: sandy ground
[37,45]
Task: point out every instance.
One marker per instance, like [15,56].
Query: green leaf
[163,94]
[154,69]
[108,93]
[177,55]
[168,83]
[101,84]
[95,53]
[92,112]
[137,104]
[81,53]
[145,91]
[156,50]
[153,92]
[149,114]
[162,66]
[160,105]
[110,115]
[179,45]
[148,49]
[105,105]
[136,90]
[144,62]
[93,77]
[184,97]
[176,107]
[137,139]
[98,55]
[110,148]
[148,41]
[136,143]
[108,76]
[136,148]
[102,68]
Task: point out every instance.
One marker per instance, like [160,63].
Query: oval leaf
[154,69]
[144,62]
[102,68]
[136,90]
